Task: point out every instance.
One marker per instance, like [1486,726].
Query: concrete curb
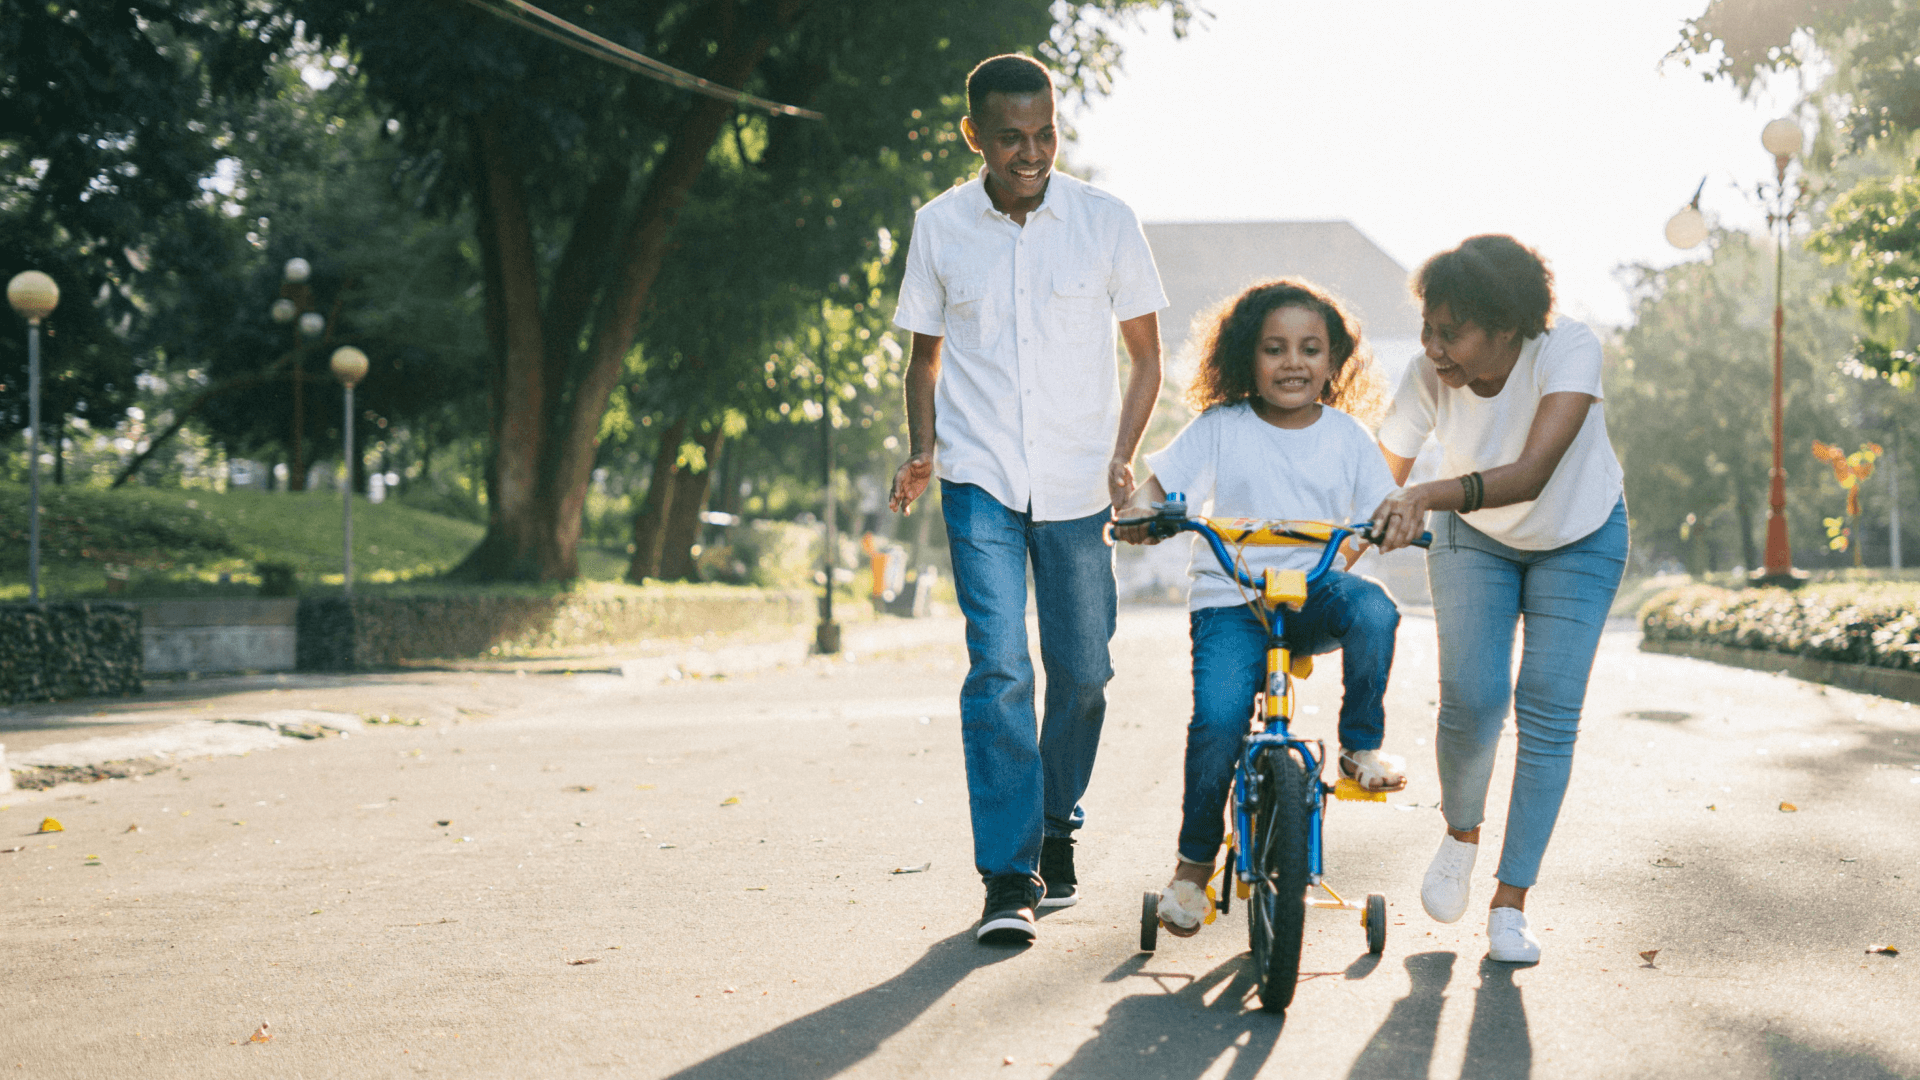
[1886,682]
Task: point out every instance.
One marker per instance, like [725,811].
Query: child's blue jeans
[1343,611]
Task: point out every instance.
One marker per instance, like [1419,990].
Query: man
[1013,284]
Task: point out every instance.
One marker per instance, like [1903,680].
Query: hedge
[68,649]
[340,634]
[1876,624]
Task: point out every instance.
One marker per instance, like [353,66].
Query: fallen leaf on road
[756,888]
[578,787]
[921,869]
[731,800]
[588,960]
[1883,950]
[1649,955]
[1711,806]
[50,825]
[261,1035]
[1788,808]
[664,847]
[1665,861]
[728,990]
[444,824]
[11,850]
[1006,1061]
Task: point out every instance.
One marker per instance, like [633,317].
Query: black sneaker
[1008,917]
[1056,869]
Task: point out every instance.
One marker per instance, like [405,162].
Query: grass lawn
[178,542]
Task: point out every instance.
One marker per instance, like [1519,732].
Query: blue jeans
[1344,611]
[1025,779]
[1482,589]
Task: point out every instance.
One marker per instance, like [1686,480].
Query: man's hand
[910,482]
[1120,484]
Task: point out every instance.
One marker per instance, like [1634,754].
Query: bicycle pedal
[1348,789]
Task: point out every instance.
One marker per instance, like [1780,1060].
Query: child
[1278,366]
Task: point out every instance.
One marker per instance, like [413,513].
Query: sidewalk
[178,719]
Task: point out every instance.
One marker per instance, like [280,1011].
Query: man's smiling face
[1016,136]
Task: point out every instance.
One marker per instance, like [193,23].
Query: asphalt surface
[418,900]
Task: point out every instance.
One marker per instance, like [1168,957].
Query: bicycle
[1279,800]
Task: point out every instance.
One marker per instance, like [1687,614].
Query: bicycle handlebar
[1173,520]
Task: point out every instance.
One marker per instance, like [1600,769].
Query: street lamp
[292,308]
[349,366]
[34,295]
[1782,139]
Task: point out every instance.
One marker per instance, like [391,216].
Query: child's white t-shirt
[1476,434]
[1245,467]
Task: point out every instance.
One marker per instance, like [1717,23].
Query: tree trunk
[649,523]
[60,452]
[683,517]
[544,455]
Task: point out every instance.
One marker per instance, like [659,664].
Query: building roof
[1203,263]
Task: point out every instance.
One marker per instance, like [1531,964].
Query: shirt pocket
[1079,308]
[966,313]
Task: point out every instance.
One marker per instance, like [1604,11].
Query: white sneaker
[1448,882]
[1508,938]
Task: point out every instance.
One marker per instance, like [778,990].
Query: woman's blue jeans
[1483,589]
[1344,611]
[1025,780]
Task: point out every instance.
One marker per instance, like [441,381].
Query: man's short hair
[1008,74]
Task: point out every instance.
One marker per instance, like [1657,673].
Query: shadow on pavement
[1798,1061]
[1175,1034]
[1499,1046]
[1403,1044]
[829,1041]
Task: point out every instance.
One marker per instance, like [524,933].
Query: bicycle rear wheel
[1278,854]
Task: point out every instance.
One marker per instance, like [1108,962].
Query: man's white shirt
[1028,401]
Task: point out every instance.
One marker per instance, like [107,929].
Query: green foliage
[1689,409]
[1869,105]
[1873,623]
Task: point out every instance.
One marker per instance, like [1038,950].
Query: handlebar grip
[1424,540]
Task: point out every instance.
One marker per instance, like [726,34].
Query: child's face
[1291,363]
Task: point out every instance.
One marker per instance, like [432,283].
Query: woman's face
[1291,362]
[1463,352]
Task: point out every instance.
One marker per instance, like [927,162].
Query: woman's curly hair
[1230,337]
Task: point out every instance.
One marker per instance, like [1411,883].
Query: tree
[577,176]
[311,171]
[1689,412]
[1871,107]
[102,145]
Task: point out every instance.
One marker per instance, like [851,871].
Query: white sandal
[1373,770]
[1185,908]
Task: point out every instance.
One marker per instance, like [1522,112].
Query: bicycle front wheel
[1278,855]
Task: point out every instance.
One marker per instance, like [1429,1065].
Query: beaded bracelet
[1475,492]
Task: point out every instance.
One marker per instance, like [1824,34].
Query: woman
[1531,522]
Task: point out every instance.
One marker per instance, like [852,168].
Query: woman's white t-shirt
[1245,467]
[1478,433]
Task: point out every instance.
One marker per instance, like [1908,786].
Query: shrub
[1871,623]
[66,650]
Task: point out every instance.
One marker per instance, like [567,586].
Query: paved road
[721,851]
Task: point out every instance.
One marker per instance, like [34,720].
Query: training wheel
[1375,920]
[1149,921]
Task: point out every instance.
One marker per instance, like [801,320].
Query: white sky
[1424,123]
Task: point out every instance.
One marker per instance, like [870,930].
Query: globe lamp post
[349,366]
[1781,138]
[34,296]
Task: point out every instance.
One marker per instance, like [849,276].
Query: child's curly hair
[1230,335]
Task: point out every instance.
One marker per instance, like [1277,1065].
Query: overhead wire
[592,44]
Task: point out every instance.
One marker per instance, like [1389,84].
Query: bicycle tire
[1277,909]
